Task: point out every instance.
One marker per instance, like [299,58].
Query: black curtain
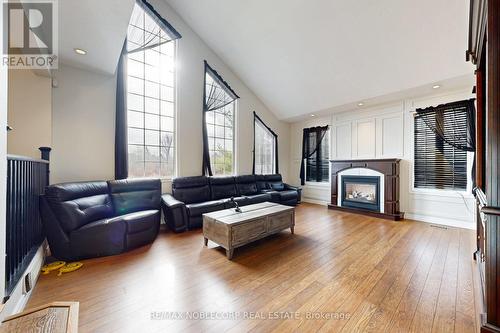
[140,43]
[276,159]
[454,124]
[311,142]
[121,137]
[215,96]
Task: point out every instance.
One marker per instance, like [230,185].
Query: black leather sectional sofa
[193,196]
[93,219]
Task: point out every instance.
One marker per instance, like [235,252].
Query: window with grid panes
[150,100]
[265,149]
[220,130]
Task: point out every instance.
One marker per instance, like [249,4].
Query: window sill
[163,180]
[442,193]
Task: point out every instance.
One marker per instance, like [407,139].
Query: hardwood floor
[349,272]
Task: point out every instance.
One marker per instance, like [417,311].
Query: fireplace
[387,191]
[361,192]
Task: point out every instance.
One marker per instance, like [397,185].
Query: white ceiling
[301,56]
[97,26]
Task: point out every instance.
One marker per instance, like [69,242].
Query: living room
[268,166]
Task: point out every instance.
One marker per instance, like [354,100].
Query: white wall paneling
[341,141]
[390,136]
[363,138]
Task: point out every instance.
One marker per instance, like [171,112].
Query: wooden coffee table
[231,229]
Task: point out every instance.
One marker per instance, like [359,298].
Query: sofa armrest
[291,187]
[56,236]
[169,201]
[174,213]
[296,188]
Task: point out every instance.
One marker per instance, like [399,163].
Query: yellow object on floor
[72,266]
[46,269]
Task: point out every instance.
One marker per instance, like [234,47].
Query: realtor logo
[30,29]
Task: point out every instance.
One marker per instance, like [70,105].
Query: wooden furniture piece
[389,168]
[56,317]
[230,229]
[484,52]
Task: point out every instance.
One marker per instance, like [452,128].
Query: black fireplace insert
[362,192]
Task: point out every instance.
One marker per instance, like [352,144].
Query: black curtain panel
[311,142]
[453,124]
[215,96]
[134,44]
[121,138]
[276,159]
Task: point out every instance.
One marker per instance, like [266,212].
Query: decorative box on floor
[57,317]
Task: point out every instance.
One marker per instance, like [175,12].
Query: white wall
[387,132]
[84,109]
[30,113]
[83,126]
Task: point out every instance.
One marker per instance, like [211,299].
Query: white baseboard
[314,201]
[19,298]
[441,220]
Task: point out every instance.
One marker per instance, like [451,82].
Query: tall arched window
[150,94]
[265,148]
[219,110]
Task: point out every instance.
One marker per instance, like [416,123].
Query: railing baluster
[26,181]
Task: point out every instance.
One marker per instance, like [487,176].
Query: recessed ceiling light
[437,86]
[313,115]
[80,51]
[361,104]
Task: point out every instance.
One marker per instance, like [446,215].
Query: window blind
[315,153]
[438,164]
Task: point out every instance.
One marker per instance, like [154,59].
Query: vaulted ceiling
[303,56]
[97,26]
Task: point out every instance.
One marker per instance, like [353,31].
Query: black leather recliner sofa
[94,219]
[194,196]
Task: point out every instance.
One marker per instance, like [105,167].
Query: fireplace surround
[388,192]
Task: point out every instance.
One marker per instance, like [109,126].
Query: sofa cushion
[246,185]
[275,178]
[133,195]
[222,187]
[258,198]
[241,201]
[262,183]
[278,186]
[139,221]
[275,182]
[288,195]
[191,189]
[70,191]
[197,209]
[98,238]
[141,238]
[76,204]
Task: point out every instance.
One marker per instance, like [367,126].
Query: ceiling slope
[97,26]
[301,56]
